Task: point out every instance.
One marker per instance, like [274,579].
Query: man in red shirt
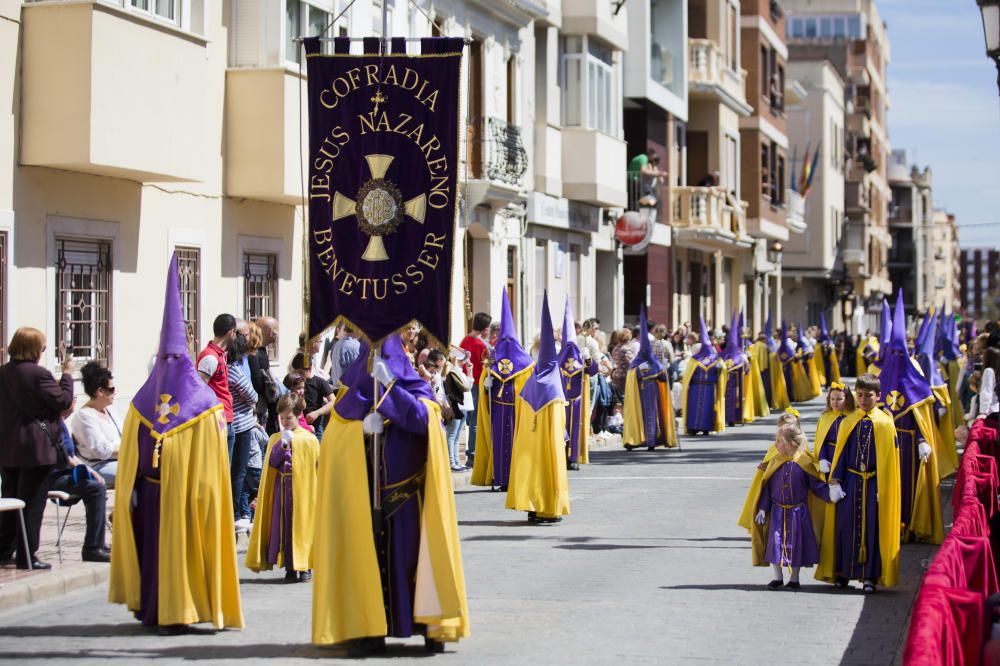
[213,369]
[479,352]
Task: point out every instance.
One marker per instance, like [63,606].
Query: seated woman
[96,430]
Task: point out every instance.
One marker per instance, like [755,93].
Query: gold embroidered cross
[379,98]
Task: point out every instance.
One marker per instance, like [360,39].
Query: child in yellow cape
[283,527]
[777,510]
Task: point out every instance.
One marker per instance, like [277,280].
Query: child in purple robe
[839,403]
[780,494]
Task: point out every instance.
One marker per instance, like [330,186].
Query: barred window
[3,295]
[260,288]
[189,268]
[83,299]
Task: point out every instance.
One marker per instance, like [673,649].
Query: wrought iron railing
[496,151]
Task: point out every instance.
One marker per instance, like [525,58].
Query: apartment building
[979,282]
[712,245]
[143,128]
[944,279]
[851,35]
[814,278]
[911,259]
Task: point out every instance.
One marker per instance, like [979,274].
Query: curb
[51,584]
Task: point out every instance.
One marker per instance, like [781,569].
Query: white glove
[644,367]
[760,517]
[824,466]
[286,438]
[836,493]
[373,425]
[924,450]
[585,354]
[382,374]
[488,382]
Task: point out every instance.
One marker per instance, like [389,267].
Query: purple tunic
[281,508]
[791,541]
[701,398]
[857,514]
[826,449]
[908,440]
[576,411]
[734,395]
[146,526]
[502,395]
[649,398]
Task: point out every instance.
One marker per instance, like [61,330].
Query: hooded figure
[502,382]
[884,333]
[807,354]
[538,482]
[704,392]
[756,405]
[736,370]
[648,411]
[907,396]
[404,577]
[795,373]
[576,367]
[765,353]
[173,548]
[828,364]
[950,362]
[932,372]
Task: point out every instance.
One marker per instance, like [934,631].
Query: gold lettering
[435,241]
[415,273]
[355,76]
[321,236]
[385,288]
[432,144]
[345,84]
[383,123]
[347,285]
[323,99]
[413,80]
[390,76]
[416,134]
[430,100]
[371,73]
[398,129]
[426,258]
[438,196]
[398,284]
[437,164]
[369,122]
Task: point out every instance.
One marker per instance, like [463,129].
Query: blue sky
[945,108]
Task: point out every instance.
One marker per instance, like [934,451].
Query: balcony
[710,77]
[856,197]
[795,214]
[595,17]
[645,195]
[262,135]
[497,162]
[656,58]
[592,164]
[102,94]
[707,218]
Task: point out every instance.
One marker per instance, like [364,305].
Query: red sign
[633,228]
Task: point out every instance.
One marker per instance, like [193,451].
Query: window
[732,38]
[779,184]
[765,74]
[189,269]
[304,18]
[164,9]
[377,18]
[765,170]
[590,97]
[731,173]
[573,283]
[83,299]
[260,288]
[3,294]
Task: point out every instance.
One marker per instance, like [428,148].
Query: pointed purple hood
[925,354]
[544,385]
[922,333]
[902,385]
[509,357]
[807,347]
[771,344]
[824,334]
[174,393]
[885,331]
[706,353]
[645,354]
[950,350]
[732,351]
[569,352]
[785,350]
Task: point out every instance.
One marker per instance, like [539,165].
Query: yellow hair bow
[838,386]
[791,410]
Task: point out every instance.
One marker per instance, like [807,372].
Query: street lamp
[990,10]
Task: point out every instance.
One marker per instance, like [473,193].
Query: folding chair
[13,504]
[60,498]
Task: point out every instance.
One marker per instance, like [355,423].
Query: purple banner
[382,186]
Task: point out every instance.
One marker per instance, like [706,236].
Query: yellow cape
[198,574]
[305,458]
[582,412]
[926,522]
[954,376]
[720,391]
[634,430]
[801,386]
[888,498]
[347,588]
[949,448]
[758,397]
[831,357]
[758,533]
[863,344]
[826,420]
[538,479]
[482,464]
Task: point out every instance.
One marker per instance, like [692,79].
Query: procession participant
[789,417]
[576,367]
[939,387]
[732,356]
[829,364]
[793,370]
[704,394]
[648,412]
[839,403]
[885,331]
[907,397]
[951,360]
[173,548]
[807,353]
[778,509]
[508,370]
[538,482]
[283,530]
[861,533]
[765,353]
[396,570]
[866,353]
[755,406]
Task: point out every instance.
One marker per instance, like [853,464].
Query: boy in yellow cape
[283,527]
[396,571]
[173,548]
[861,532]
[538,482]
[648,412]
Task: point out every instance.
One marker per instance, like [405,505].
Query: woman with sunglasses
[95,429]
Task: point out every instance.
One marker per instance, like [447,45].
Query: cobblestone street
[650,567]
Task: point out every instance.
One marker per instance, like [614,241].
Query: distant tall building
[911,259]
[979,281]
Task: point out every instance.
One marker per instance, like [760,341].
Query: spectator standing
[479,355]
[244,417]
[318,393]
[343,353]
[457,382]
[269,390]
[213,369]
[97,432]
[31,401]
[621,357]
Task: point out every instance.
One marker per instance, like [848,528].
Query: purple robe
[734,394]
[281,508]
[652,419]
[576,411]
[826,350]
[908,439]
[502,396]
[765,375]
[701,398]
[857,514]
[829,443]
[791,541]
[146,526]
